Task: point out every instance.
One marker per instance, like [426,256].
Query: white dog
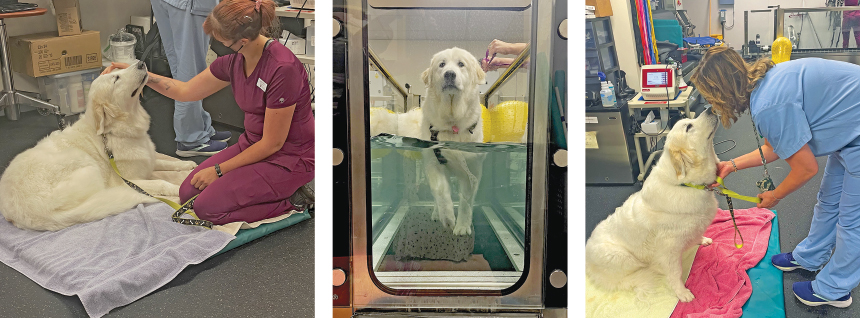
[452,112]
[66,178]
[646,236]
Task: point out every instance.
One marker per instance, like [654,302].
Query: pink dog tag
[456,130]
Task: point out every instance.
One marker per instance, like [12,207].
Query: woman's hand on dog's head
[115,66]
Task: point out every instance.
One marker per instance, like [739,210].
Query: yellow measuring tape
[181,209]
[725,191]
[729,194]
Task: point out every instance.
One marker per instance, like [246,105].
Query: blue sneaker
[221,136]
[803,291]
[207,149]
[785,262]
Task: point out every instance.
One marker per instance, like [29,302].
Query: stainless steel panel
[448,315]
[611,163]
[367,295]
[223,108]
[496,4]
[844,55]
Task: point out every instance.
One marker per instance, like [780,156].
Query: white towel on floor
[111,262]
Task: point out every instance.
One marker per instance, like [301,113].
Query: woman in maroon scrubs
[259,177]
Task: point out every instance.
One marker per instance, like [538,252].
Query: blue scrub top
[809,101]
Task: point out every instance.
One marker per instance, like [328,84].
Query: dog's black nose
[141,65]
[449,75]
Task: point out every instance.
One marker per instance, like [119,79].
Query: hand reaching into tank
[496,47]
[504,48]
[496,63]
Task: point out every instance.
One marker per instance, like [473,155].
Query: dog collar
[434,136]
[722,190]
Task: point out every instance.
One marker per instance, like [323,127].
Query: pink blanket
[718,278]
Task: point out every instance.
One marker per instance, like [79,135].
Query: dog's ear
[682,160]
[482,76]
[426,76]
[102,111]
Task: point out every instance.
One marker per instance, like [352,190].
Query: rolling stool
[9,98]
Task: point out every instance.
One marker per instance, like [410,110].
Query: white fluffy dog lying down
[66,178]
[645,237]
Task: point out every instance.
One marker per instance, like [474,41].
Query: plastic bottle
[607,92]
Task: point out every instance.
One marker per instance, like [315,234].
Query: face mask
[235,51]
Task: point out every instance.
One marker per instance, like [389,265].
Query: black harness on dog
[434,136]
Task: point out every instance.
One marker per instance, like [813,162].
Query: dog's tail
[101,204]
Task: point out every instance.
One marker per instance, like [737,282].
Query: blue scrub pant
[186,45]
[834,235]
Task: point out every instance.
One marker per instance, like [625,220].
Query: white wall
[105,16]
[762,23]
[625,43]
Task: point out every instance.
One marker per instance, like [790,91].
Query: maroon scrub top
[278,81]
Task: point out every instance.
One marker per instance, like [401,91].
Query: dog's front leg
[158,187]
[174,165]
[468,189]
[438,181]
[671,267]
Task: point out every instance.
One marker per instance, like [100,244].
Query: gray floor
[794,212]
[270,277]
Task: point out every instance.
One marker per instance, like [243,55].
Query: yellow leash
[181,209]
[729,194]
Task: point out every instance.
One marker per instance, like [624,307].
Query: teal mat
[245,236]
[669,30]
[767,299]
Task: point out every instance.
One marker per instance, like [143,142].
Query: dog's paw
[463,229]
[706,241]
[168,189]
[448,221]
[684,295]
[186,165]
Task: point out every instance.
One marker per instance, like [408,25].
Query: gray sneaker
[207,149]
[303,198]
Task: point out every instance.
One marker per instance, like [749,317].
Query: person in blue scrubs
[180,23]
[804,109]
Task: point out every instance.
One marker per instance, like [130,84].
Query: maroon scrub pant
[849,23]
[251,193]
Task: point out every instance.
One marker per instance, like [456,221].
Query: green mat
[245,236]
[767,298]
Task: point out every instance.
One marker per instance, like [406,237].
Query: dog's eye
[690,126]
[461,64]
[442,64]
[116,79]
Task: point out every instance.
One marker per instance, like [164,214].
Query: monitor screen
[659,79]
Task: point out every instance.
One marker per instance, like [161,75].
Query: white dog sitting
[66,178]
[647,235]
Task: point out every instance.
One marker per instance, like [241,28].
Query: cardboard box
[47,53]
[68,13]
[295,43]
[602,7]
